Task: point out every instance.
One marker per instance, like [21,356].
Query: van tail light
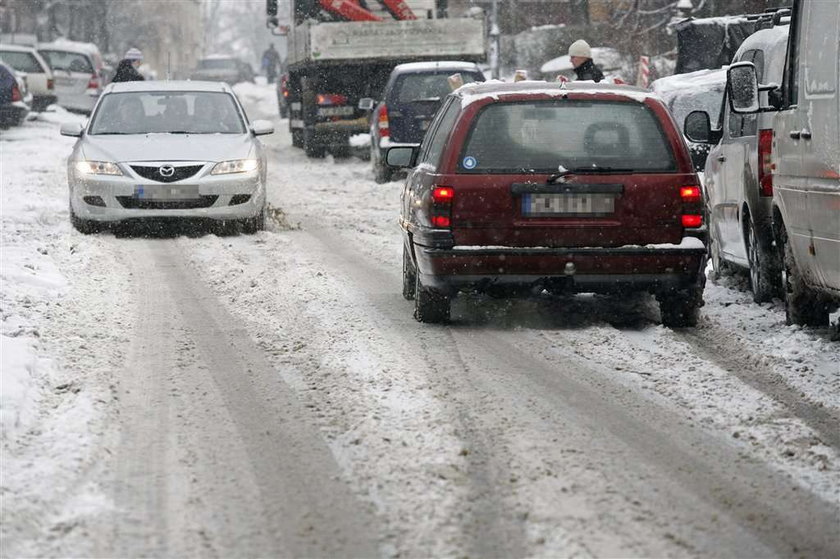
[93,83]
[692,206]
[384,126]
[441,214]
[765,166]
[16,96]
[50,84]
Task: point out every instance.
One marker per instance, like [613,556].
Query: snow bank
[261,98]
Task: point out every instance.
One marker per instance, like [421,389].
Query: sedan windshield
[594,136]
[167,112]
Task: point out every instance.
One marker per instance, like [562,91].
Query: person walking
[581,57]
[270,63]
[127,68]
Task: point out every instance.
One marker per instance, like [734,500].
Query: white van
[805,158]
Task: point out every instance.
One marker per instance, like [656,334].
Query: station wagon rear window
[542,136]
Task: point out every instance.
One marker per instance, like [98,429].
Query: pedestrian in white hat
[581,56]
[127,68]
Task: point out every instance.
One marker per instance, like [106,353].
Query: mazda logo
[166,170]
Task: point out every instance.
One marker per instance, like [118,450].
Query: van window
[539,136]
[431,151]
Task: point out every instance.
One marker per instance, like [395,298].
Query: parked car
[696,91]
[174,149]
[805,158]
[77,71]
[283,95]
[228,69]
[15,100]
[576,187]
[739,180]
[410,99]
[38,73]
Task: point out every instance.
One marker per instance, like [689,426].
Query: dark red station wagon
[531,186]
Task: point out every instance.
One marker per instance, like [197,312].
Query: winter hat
[580,48]
[133,54]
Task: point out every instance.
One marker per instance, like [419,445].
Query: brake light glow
[441,221]
[326,99]
[692,220]
[442,194]
[765,167]
[690,193]
[16,96]
[384,125]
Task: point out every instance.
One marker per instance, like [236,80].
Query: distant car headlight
[235,166]
[98,168]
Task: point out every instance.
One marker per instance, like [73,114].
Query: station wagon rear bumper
[579,269]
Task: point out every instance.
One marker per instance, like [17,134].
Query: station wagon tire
[802,305]
[84,226]
[429,306]
[381,172]
[409,276]
[761,268]
[681,309]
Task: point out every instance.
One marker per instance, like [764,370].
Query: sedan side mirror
[401,157]
[262,127]
[743,88]
[73,129]
[366,103]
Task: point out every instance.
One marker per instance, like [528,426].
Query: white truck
[341,52]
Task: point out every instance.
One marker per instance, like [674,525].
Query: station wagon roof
[472,92]
[453,65]
[178,85]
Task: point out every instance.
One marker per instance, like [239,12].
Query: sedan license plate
[167,192]
[547,205]
[335,111]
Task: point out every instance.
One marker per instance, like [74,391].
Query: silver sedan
[167,150]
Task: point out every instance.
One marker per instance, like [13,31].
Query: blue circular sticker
[469,162]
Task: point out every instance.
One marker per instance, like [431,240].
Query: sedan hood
[167,147]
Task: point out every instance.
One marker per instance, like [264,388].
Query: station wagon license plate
[167,192]
[546,205]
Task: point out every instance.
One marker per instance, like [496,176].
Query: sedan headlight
[235,166]
[98,168]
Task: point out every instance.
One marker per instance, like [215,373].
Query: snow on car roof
[605,57]
[765,39]
[17,48]
[472,92]
[436,65]
[680,84]
[176,85]
[70,46]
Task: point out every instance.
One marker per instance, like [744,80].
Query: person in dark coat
[127,68]
[270,63]
[581,56]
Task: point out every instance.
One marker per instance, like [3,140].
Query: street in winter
[302,310]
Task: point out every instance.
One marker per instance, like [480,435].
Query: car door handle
[721,158]
[795,135]
[806,134]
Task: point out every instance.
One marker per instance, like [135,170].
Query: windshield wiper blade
[599,169]
[178,132]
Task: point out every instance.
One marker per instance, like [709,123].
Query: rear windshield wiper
[599,169]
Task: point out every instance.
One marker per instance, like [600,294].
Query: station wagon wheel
[680,309]
[429,306]
[409,276]
[802,305]
[381,172]
[760,269]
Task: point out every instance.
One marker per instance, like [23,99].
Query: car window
[416,87]
[445,120]
[539,136]
[217,64]
[21,61]
[68,61]
[185,112]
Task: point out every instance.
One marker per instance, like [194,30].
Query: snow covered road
[272,395]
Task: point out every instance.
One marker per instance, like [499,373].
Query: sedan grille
[132,203]
[166,173]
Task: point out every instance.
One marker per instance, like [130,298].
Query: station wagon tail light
[441,211]
[690,193]
[765,166]
[692,220]
[384,125]
[692,206]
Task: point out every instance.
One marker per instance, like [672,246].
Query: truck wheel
[381,172]
[680,309]
[297,138]
[310,147]
[802,305]
[409,276]
[762,271]
[429,306]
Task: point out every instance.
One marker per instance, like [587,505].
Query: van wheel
[802,305]
[761,268]
[409,276]
[429,306]
[680,309]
